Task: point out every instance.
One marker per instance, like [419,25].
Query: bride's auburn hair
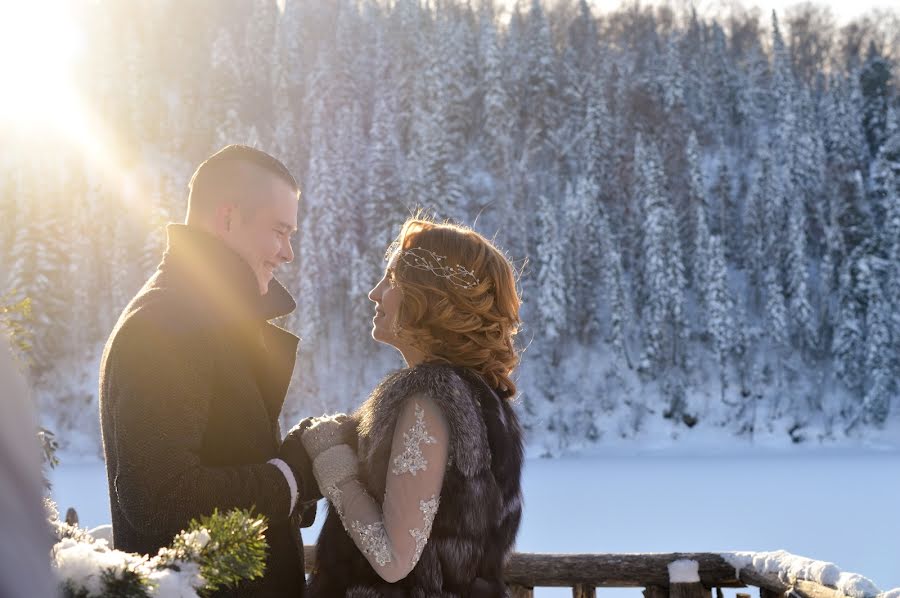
[471,325]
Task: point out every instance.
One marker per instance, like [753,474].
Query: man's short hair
[218,175]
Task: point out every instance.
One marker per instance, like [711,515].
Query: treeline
[708,204]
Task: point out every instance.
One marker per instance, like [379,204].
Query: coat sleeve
[393,535]
[160,389]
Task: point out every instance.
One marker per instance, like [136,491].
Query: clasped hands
[320,451]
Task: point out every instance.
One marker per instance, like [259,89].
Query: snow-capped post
[684,580]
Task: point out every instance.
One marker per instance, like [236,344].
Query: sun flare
[39,43]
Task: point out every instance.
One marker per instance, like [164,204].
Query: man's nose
[287,252]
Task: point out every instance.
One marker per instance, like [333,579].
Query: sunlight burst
[39,43]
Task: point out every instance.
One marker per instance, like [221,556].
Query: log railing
[584,573]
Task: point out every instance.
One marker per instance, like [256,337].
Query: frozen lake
[839,506]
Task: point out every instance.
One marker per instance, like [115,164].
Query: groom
[193,376]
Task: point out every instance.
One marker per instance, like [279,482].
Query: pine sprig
[217,551]
[129,583]
[232,547]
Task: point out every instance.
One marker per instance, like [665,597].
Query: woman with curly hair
[423,481]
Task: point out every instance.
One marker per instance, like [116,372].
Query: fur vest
[480,503]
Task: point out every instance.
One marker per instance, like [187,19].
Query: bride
[423,481]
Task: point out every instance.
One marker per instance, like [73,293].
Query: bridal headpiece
[425,259]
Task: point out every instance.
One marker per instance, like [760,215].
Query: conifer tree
[879,351]
[615,288]
[499,109]
[719,308]
[551,298]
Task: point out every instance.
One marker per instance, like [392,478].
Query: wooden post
[71,516]
[721,594]
[655,592]
[689,590]
[584,591]
[767,593]
[516,591]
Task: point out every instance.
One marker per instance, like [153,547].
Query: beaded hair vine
[425,259]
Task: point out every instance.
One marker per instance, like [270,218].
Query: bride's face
[387,298]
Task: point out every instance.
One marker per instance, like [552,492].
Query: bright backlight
[39,42]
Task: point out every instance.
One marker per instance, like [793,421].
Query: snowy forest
[704,209]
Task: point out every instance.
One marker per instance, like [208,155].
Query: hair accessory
[425,259]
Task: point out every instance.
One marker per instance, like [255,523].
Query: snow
[178,584]
[791,568]
[684,571]
[815,503]
[83,564]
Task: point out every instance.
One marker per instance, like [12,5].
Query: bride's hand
[333,459]
[326,432]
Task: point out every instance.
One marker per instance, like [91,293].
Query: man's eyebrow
[287,226]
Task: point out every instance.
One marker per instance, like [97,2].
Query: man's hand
[294,454]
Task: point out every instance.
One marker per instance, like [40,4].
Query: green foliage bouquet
[216,551]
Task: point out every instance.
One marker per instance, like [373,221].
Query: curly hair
[471,327]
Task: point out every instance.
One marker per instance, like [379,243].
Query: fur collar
[458,400]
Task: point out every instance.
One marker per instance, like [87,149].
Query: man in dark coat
[193,377]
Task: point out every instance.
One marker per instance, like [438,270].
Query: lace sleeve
[392,536]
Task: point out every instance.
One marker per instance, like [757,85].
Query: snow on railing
[777,574]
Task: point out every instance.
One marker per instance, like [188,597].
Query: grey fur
[377,417]
[480,499]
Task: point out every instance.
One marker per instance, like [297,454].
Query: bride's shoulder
[447,387]
[435,380]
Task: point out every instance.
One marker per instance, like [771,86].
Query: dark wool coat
[192,381]
[480,502]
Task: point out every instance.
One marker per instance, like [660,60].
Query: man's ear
[224,218]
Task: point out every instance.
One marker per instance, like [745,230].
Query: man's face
[261,233]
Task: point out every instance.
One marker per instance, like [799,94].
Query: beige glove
[326,432]
[335,465]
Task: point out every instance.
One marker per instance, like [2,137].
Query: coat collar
[199,260]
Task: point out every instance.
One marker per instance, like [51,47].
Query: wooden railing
[584,573]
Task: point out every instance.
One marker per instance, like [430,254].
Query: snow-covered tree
[551,283]
[797,289]
[499,109]
[880,348]
[583,255]
[615,291]
[719,308]
[663,276]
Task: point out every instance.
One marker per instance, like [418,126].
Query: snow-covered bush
[214,552]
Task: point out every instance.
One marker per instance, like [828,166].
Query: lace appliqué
[429,510]
[412,460]
[374,541]
[336,496]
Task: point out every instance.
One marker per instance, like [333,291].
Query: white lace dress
[393,535]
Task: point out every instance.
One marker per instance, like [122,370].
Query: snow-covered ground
[837,505]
